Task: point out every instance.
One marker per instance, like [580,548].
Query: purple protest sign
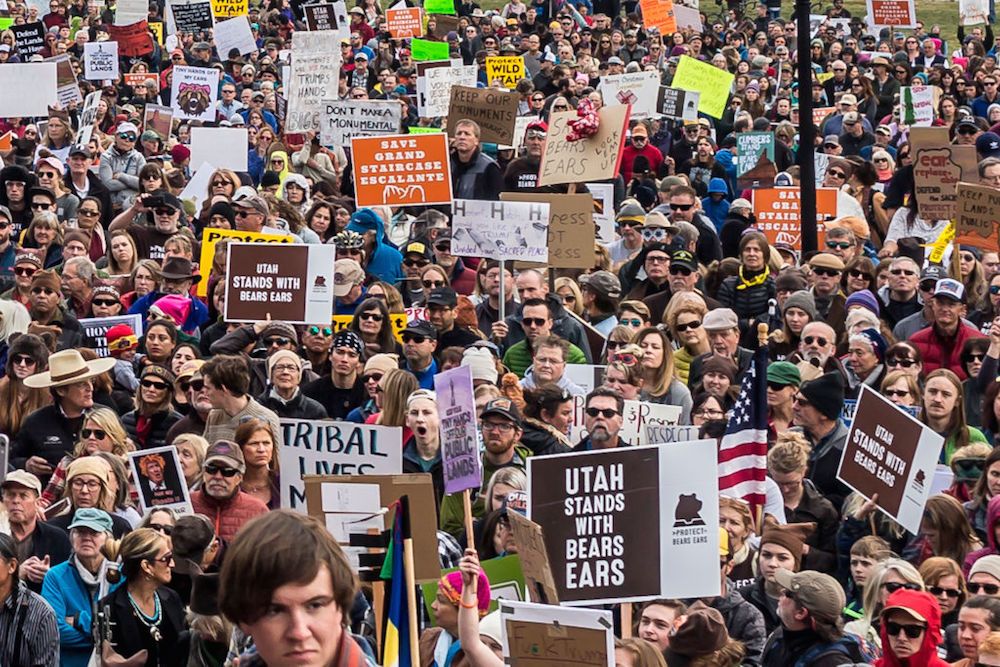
[459,444]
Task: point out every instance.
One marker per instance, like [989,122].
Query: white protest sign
[916,106]
[583,637]
[500,230]
[193,93]
[234,35]
[225,147]
[88,118]
[67,87]
[314,78]
[640,89]
[604,193]
[100,60]
[95,330]
[639,415]
[345,119]
[658,434]
[128,12]
[434,88]
[159,479]
[334,448]
[35,85]
[973,12]
[196,189]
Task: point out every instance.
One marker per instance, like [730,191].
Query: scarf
[754,281]
[143,427]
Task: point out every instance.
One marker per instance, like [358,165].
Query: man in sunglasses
[639,145]
[420,341]
[941,343]
[603,419]
[686,206]
[463,278]
[220,496]
[827,269]
[441,312]
[120,166]
[165,211]
[191,382]
[899,300]
[521,174]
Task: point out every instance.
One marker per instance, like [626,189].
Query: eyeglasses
[607,413]
[150,384]
[24,271]
[196,385]
[639,137]
[81,484]
[413,338]
[709,413]
[219,470]
[816,340]
[938,591]
[165,529]
[502,427]
[315,331]
[560,107]
[87,213]
[893,586]
[800,399]
[912,631]
[654,234]
[285,368]
[271,341]
[416,262]
[681,207]
[821,271]
[95,433]
[431,284]
[988,589]
[895,393]
[657,259]
[838,245]
[374,317]
[533,321]
[899,362]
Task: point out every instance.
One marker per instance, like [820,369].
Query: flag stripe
[743,451]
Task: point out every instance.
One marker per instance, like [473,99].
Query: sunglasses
[326,331]
[162,528]
[218,470]
[836,173]
[27,272]
[988,589]
[104,302]
[994,289]
[165,211]
[534,321]
[859,274]
[95,433]
[838,245]
[374,377]
[127,136]
[149,384]
[87,213]
[413,338]
[816,340]
[900,363]
[938,591]
[42,290]
[776,386]
[633,322]
[197,385]
[895,393]
[40,206]
[431,284]
[615,344]
[626,359]
[680,271]
[902,272]
[277,340]
[374,317]
[893,586]
[681,207]
[654,234]
[968,131]
[975,356]
[607,413]
[912,631]
[416,262]
[832,273]
[23,360]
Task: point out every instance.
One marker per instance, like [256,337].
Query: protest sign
[100,60]
[439,6]
[29,38]
[530,540]
[639,415]
[397,321]
[755,166]
[891,454]
[133,40]
[159,479]
[508,70]
[133,79]
[688,18]
[211,236]
[521,124]
[713,84]
[938,167]
[778,216]
[192,16]
[973,12]
[595,158]
[288,282]
[194,92]
[128,12]
[588,504]
[95,331]
[401,170]
[506,578]
[459,442]
[604,213]
[678,104]
[978,216]
[156,27]
[224,9]
[328,17]
[503,230]
[225,147]
[404,23]
[916,106]
[547,634]
[234,35]
[35,84]
[434,86]
[657,434]
[820,114]
[423,49]
[346,119]
[88,118]
[439,25]
[494,110]
[314,78]
[335,498]
[639,89]
[321,447]
[892,13]
[159,119]
[659,14]
[67,87]
[571,227]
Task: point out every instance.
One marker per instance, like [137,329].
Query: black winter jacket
[300,407]
[162,421]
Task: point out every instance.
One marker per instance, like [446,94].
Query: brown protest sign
[540,644]
[595,158]
[571,227]
[293,282]
[530,541]
[495,111]
[439,25]
[978,216]
[938,166]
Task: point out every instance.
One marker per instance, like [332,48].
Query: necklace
[151,622]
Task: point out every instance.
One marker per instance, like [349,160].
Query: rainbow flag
[396,642]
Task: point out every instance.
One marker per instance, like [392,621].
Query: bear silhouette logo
[688,511]
[920,478]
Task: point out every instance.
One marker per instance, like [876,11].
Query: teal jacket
[73,604]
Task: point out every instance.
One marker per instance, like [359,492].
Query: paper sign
[434,87]
[88,118]
[778,216]
[100,60]
[225,147]
[234,35]
[755,166]
[678,104]
[211,236]
[494,110]
[659,14]
[688,18]
[314,78]
[508,70]
[35,84]
[423,49]
[404,23]
[159,119]
[194,92]
[459,441]
[978,216]
[639,89]
[890,453]
[401,170]
[639,415]
[502,230]
[346,119]
[657,434]
[534,635]
[938,167]
[133,40]
[29,38]
[530,540]
[67,87]
[334,448]
[712,83]
[193,16]
[916,106]
[95,331]
[595,158]
[571,227]
[288,282]
[159,479]
[973,12]
[892,13]
[224,9]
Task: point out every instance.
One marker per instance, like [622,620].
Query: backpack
[854,649]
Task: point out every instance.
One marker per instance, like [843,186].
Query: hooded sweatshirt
[386,262]
[992,519]
[924,604]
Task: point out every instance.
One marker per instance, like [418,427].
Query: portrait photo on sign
[159,479]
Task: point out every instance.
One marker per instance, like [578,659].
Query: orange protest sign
[5,141]
[404,23]
[659,14]
[821,113]
[778,216]
[135,78]
[402,170]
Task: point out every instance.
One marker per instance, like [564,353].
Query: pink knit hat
[451,585]
[174,306]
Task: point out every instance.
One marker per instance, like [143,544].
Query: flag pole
[411,582]
[761,342]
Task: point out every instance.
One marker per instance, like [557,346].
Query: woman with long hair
[320,218]
[736,519]
[944,531]
[394,388]
[258,441]
[972,356]
[27,355]
[888,577]
[372,323]
[191,449]
[123,256]
[153,416]
[859,274]
[548,415]
[158,342]
[798,310]
[59,136]
[145,278]
[570,293]
[658,366]
[973,276]
[944,580]
[683,316]
[45,234]
[943,410]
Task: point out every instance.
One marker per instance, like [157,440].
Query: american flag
[743,454]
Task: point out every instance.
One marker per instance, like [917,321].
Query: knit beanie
[28,256]
[77,235]
[702,633]
[381,363]
[157,371]
[875,340]
[804,301]
[225,210]
[121,339]
[481,362]
[108,289]
[174,306]
[89,465]
[450,585]
[288,355]
[988,564]
[283,329]
[721,365]
[791,280]
[47,278]
[790,536]
[863,298]
[826,394]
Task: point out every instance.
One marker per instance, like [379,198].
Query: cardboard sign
[35,84]
[159,479]
[29,38]
[193,16]
[211,236]
[578,637]
[95,330]
[530,540]
[345,119]
[890,453]
[501,230]
[658,434]
[159,119]
[459,441]
[916,106]
[978,216]
[314,78]
[331,495]
[892,13]
[938,167]
[133,40]
[405,23]
[778,216]
[755,166]
[334,448]
[234,35]
[973,12]
[194,92]
[595,158]
[401,170]
[494,110]
[224,9]
[688,18]
[434,87]
[571,227]
[506,578]
[659,14]
[225,147]
[100,60]
[588,504]
[678,104]
[712,83]
[292,283]
[508,70]
[439,25]
[641,90]
[67,87]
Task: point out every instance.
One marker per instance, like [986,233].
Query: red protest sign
[133,40]
[894,13]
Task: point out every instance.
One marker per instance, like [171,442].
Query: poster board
[659,14]
[434,86]
[595,158]
[95,330]
[404,23]
[345,119]
[35,84]
[641,90]
[29,38]
[159,479]
[938,167]
[778,216]
[234,35]
[678,104]
[504,230]
[192,16]
[211,236]
[401,170]
[133,40]
[457,426]
[530,539]
[712,84]
[314,77]
[194,92]
[67,87]
[287,282]
[224,9]
[225,147]
[571,227]
[755,167]
[506,583]
[508,70]
[493,109]
[100,60]
[892,13]
[978,216]
[564,636]
[916,105]
[159,119]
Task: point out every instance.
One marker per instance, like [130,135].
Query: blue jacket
[69,598]
[715,210]
[197,316]
[386,263]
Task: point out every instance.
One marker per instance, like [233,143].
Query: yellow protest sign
[211,237]
[712,84]
[224,9]
[506,69]
[941,244]
[157,28]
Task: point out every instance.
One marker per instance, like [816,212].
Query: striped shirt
[28,633]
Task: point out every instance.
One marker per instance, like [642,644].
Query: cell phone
[153,202]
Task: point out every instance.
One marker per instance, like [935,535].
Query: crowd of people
[669,310]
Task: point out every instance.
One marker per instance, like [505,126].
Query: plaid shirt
[28,633]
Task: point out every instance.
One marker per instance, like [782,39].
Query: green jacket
[452,519]
[518,357]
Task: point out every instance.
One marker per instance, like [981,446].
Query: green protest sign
[439,6]
[424,50]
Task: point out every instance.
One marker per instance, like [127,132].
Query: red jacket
[652,153]
[942,353]
[228,516]
[924,604]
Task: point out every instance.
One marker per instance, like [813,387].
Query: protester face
[216,482]
[991,177]
[152,389]
[442,317]
[95,438]
[344,360]
[973,626]
[466,140]
[779,395]
[732,522]
[165,218]
[656,624]
[87,543]
[946,590]
[772,558]
[683,207]
[817,342]
[796,319]
[198,394]
[899,393]
[316,338]
[21,504]
[24,365]
[652,351]
[158,343]
[716,384]
[789,483]
[825,281]
[493,283]
[616,380]
[862,359]
[536,322]
[940,398]
[144,282]
[259,449]
[529,285]
[85,490]
[15,191]
[77,396]
[286,375]
[418,349]
[422,418]
[548,364]
[446,614]
[903,277]
[657,265]
[724,342]
[602,420]
[710,410]
[499,434]
[982,583]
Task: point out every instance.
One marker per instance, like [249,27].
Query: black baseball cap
[442,296]
[421,328]
[503,407]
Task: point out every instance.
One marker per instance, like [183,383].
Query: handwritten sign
[501,230]
[345,119]
[571,227]
[978,216]
[595,158]
[495,111]
[938,167]
[713,84]
[641,90]
[459,442]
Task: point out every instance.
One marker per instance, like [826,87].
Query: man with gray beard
[603,418]
[817,351]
